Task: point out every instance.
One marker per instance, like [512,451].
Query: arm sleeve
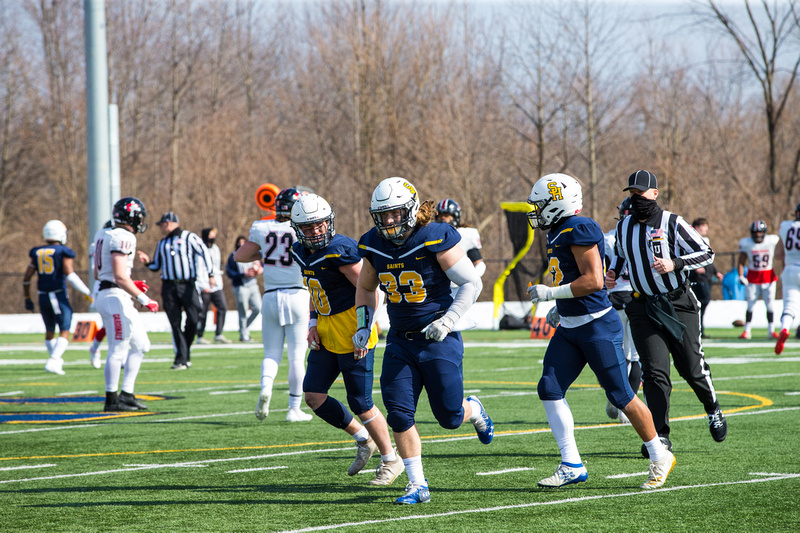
[469,284]
[76,282]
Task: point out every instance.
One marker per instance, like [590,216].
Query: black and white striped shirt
[665,235]
[176,256]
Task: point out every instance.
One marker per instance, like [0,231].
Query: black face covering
[642,208]
[209,242]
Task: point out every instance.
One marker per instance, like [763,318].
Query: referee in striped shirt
[659,249]
[176,257]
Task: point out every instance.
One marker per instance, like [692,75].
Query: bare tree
[768,35]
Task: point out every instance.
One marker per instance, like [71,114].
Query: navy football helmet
[758,230]
[626,207]
[130,211]
[449,206]
[285,200]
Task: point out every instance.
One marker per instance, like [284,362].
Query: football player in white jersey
[285,305]
[789,254]
[115,249]
[757,253]
[619,296]
[94,351]
[449,212]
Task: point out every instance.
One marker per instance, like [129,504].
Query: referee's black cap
[641,180]
[170,216]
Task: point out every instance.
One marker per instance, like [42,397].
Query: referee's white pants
[284,316]
[126,337]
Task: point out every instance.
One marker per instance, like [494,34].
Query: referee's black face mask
[642,207]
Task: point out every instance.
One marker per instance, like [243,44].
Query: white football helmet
[389,195]
[312,209]
[553,197]
[55,230]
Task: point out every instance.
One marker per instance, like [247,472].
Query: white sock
[50,345]
[132,364]
[786,322]
[60,347]
[95,346]
[563,427]
[294,401]
[747,327]
[656,449]
[362,435]
[476,411]
[389,458]
[414,470]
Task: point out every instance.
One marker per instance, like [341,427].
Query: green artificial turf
[202,462]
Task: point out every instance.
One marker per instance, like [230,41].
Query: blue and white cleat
[415,494]
[483,425]
[565,475]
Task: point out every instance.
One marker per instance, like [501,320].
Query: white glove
[438,329]
[743,281]
[361,339]
[553,318]
[540,293]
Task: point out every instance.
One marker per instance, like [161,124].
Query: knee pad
[359,404]
[548,389]
[334,413]
[399,421]
[451,421]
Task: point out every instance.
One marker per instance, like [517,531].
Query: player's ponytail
[426,213]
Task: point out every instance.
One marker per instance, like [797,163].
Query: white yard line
[777,477]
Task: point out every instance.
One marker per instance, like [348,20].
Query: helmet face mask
[394,207]
[553,197]
[758,230]
[55,230]
[312,212]
[450,207]
[130,211]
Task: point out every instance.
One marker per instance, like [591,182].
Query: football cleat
[717,425]
[296,415]
[55,366]
[178,366]
[774,335]
[364,451]
[565,475]
[201,340]
[623,419]
[129,400]
[386,473]
[745,335]
[111,402]
[415,494]
[658,472]
[664,440]
[781,341]
[221,339]
[483,425]
[611,411]
[262,407]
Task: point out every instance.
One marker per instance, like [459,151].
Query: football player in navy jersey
[413,262]
[330,264]
[588,331]
[53,263]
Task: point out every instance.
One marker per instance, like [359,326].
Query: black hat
[169,216]
[641,180]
